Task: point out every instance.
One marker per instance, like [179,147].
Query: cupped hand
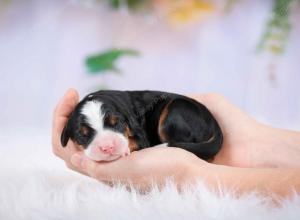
[60,117]
[143,168]
[242,135]
[246,142]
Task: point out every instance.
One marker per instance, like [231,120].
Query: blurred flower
[183,11]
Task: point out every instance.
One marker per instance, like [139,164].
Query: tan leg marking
[162,118]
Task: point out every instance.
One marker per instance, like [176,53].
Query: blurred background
[249,51]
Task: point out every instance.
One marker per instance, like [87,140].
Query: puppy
[110,124]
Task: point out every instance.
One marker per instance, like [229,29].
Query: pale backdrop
[43,45]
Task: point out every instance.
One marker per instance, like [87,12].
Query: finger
[113,170]
[199,97]
[62,112]
[208,99]
[83,164]
[70,166]
[65,106]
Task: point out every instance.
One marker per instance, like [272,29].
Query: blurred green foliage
[106,60]
[278,27]
[130,4]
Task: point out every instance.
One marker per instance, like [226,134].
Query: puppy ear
[138,132]
[65,135]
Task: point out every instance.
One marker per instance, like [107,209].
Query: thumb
[83,163]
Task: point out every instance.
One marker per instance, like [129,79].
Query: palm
[238,129]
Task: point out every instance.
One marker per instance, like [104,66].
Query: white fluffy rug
[36,185]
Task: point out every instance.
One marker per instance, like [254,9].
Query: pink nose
[107,145]
[107,149]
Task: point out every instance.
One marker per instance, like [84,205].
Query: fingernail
[76,160]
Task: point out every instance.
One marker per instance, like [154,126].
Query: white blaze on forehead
[92,111]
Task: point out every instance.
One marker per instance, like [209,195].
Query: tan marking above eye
[112,120]
[84,130]
[132,144]
[128,132]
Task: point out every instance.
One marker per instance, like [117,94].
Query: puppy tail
[204,150]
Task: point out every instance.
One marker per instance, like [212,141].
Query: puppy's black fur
[153,118]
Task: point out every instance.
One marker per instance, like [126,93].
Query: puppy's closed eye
[111,120]
[83,130]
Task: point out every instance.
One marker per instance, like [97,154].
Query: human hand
[242,134]
[140,168]
[145,167]
[248,143]
[60,117]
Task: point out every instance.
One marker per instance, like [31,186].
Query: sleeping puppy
[110,124]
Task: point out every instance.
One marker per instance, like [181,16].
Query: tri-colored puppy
[111,124]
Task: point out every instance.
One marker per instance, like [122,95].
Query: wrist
[276,148]
[216,177]
[201,171]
